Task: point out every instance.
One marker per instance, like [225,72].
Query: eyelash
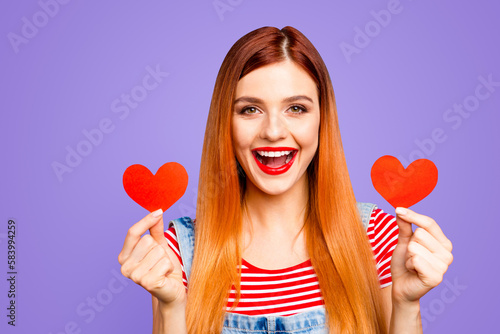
[304,109]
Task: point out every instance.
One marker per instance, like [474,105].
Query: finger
[416,249]
[425,239]
[426,223]
[429,276]
[135,233]
[157,274]
[162,276]
[139,253]
[143,247]
[165,267]
[156,254]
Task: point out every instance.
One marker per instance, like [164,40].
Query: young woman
[279,243]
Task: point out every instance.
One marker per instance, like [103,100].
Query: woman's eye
[249,110]
[297,109]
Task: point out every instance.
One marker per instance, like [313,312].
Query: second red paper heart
[400,186]
[161,190]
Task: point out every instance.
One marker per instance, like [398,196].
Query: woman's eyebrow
[285,100]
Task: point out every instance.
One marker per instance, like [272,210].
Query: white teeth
[273,153]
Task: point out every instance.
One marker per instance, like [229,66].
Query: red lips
[275,170]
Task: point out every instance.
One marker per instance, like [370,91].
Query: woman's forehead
[277,81]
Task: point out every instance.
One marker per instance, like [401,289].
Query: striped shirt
[296,289]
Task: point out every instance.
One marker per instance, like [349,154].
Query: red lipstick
[275,170]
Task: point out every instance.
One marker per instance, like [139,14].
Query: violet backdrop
[400,69]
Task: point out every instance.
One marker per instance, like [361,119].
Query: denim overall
[308,322]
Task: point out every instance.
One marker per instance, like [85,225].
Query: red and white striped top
[296,289]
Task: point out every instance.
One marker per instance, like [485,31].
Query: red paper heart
[161,190]
[400,186]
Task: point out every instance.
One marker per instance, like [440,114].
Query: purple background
[391,96]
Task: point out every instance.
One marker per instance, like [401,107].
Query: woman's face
[275,125]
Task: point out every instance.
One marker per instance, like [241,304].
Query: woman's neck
[283,213]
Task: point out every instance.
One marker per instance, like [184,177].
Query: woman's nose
[274,127]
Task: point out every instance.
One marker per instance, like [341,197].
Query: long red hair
[343,261]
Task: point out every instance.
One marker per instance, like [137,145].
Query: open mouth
[274,159]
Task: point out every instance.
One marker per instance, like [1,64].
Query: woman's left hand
[420,258]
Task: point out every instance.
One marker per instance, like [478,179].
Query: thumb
[399,255]
[405,230]
[157,231]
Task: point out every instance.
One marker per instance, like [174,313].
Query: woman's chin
[272,187]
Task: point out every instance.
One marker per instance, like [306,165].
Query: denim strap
[184,229]
[365,211]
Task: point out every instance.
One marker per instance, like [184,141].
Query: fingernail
[401,211]
[157,213]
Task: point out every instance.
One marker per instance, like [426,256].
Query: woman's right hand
[149,261]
